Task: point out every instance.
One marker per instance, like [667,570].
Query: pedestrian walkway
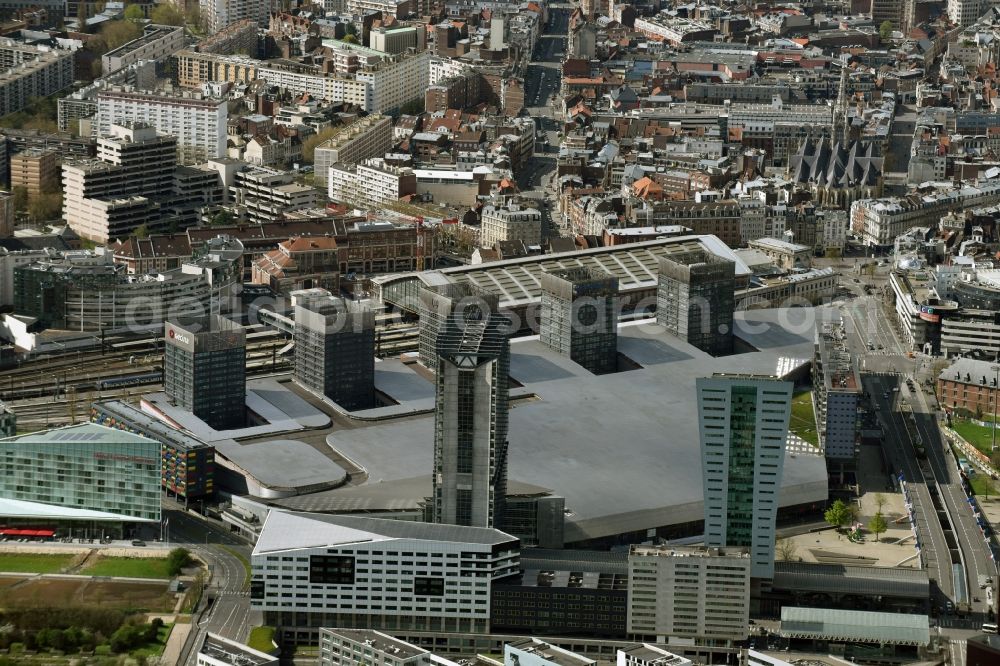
[175,643]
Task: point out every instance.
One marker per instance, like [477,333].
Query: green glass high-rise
[743,425]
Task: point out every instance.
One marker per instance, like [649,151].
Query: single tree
[313,140]
[413,107]
[785,549]
[193,17]
[885,30]
[116,33]
[880,501]
[45,207]
[350,39]
[838,515]
[134,13]
[995,459]
[877,525]
[166,13]
[222,218]
[177,559]
[141,231]
[20,193]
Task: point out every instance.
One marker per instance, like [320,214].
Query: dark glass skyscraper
[696,298]
[470,421]
[579,317]
[335,350]
[204,370]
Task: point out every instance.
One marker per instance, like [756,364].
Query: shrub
[177,560]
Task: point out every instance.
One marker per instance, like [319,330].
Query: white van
[989,628]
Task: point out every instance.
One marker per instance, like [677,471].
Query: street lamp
[996,388]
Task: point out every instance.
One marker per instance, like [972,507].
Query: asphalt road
[902,458]
[229,614]
[543,80]
[869,326]
[975,549]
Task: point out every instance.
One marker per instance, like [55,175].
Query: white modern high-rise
[743,425]
[198,121]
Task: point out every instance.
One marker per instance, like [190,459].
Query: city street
[229,614]
[902,457]
[869,327]
[543,80]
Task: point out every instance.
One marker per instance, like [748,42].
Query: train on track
[136,379]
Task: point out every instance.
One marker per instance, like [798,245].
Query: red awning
[18,532]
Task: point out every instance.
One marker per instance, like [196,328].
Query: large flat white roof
[12,508]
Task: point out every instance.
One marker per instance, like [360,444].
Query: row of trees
[76,629]
[68,629]
[135,634]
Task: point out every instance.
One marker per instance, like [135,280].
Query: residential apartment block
[369,184]
[31,71]
[367,137]
[198,122]
[837,392]
[36,170]
[157,43]
[218,14]
[131,184]
[375,81]
[508,220]
[266,194]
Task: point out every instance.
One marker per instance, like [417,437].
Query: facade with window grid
[470,417]
[335,350]
[743,425]
[580,317]
[699,594]
[696,298]
[437,304]
[204,370]
[370,573]
[85,466]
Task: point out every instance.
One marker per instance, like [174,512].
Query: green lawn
[261,639]
[982,485]
[803,420]
[32,563]
[978,436]
[128,567]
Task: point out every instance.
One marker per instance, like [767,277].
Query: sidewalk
[116,549]
[175,642]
